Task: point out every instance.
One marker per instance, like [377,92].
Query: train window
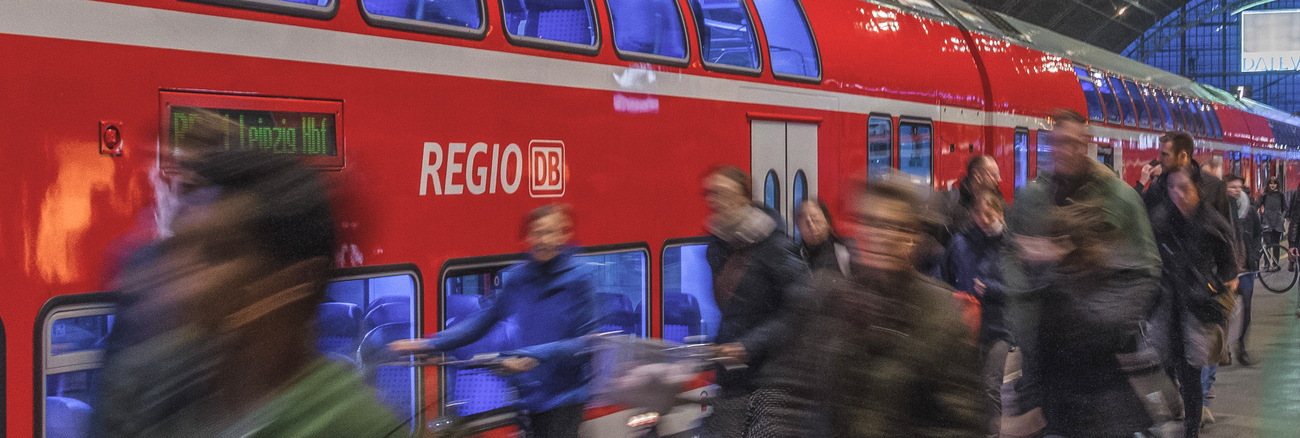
[1214,117]
[468,286]
[1113,115]
[364,310]
[1021,156]
[566,25]
[880,150]
[72,343]
[688,305]
[914,145]
[318,9]
[1205,118]
[462,18]
[1165,108]
[1095,111]
[790,41]
[1153,107]
[1194,113]
[726,34]
[800,194]
[1139,104]
[648,30]
[620,276]
[1125,102]
[772,191]
[1044,154]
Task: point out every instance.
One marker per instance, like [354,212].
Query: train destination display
[309,134]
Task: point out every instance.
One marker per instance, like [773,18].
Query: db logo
[548,172]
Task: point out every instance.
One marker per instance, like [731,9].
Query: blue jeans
[1207,380]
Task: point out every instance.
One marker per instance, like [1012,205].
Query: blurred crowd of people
[1117,301]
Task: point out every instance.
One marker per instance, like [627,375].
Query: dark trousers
[561,422]
[995,363]
[1189,382]
[1247,289]
[1272,238]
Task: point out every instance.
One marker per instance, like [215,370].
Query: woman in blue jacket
[550,296]
[973,266]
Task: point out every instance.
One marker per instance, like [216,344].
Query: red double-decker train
[441,122]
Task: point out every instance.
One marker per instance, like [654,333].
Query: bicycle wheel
[1277,274]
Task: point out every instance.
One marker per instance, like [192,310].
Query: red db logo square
[546,158]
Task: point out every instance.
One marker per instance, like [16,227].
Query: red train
[440,122]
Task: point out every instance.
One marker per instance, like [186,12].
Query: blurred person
[883,353]
[823,248]
[973,266]
[1247,249]
[552,299]
[1199,274]
[214,329]
[756,276]
[1149,171]
[1272,209]
[1176,149]
[1081,271]
[982,176]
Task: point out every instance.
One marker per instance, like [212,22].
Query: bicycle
[451,424]
[1277,271]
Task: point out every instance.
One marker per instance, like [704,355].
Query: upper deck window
[648,27]
[318,9]
[568,25]
[1139,104]
[1125,102]
[1191,111]
[726,35]
[1214,117]
[1153,106]
[1113,115]
[789,38]
[449,17]
[1095,111]
[1170,123]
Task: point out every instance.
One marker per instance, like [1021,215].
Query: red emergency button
[110,138]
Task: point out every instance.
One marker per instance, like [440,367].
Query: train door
[783,166]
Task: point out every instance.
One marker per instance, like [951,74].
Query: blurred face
[886,233]
[1070,148]
[1234,189]
[1183,193]
[1168,160]
[988,219]
[812,224]
[723,195]
[209,255]
[547,236]
[988,175]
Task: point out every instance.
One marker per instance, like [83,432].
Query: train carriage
[439,123]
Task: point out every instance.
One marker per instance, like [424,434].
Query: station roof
[1108,24]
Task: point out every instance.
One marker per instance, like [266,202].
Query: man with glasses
[1082,270]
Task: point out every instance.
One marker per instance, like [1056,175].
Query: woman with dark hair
[1273,209]
[821,247]
[1199,275]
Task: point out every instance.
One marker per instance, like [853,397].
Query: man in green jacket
[1081,273]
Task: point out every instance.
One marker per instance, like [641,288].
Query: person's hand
[516,365]
[1232,285]
[1295,252]
[979,288]
[1040,249]
[735,351]
[411,345]
[1146,173]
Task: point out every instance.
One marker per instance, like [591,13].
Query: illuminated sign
[1270,41]
[272,132]
[310,129]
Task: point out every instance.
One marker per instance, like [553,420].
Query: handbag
[1204,295]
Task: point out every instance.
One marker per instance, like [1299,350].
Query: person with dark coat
[1175,153]
[982,176]
[552,298]
[1078,285]
[1272,205]
[757,276]
[882,353]
[821,247]
[1199,273]
[973,266]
